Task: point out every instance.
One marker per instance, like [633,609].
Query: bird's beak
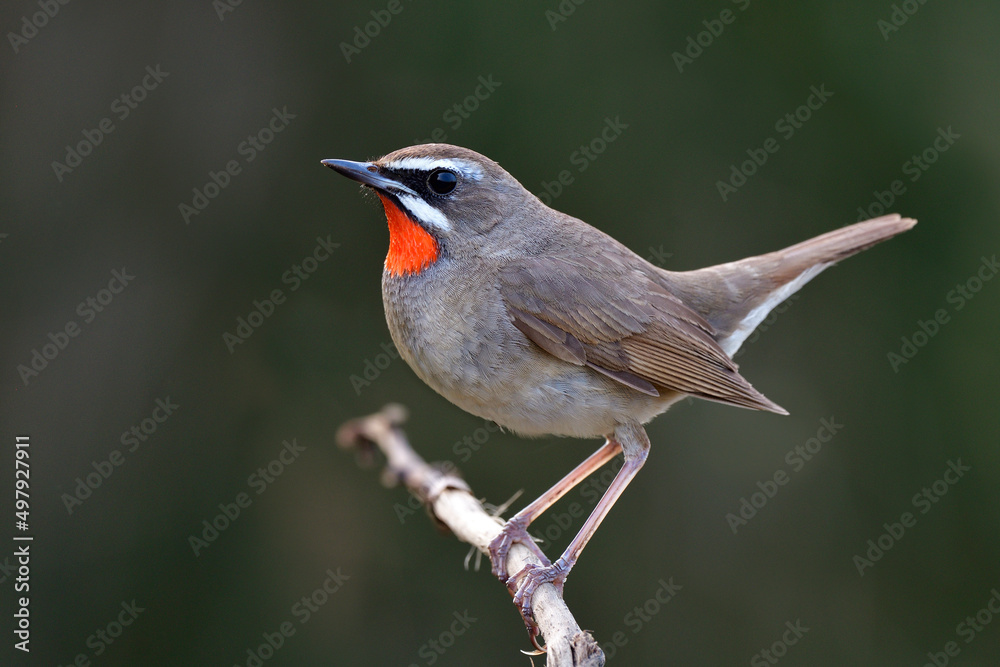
[366,173]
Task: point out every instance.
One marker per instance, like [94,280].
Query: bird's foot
[527,582]
[515,530]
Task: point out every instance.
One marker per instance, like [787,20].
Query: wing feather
[615,318]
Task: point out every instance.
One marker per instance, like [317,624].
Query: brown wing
[620,322]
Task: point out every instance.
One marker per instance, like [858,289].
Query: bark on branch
[451,502]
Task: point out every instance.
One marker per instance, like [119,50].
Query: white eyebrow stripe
[463,167]
[424,212]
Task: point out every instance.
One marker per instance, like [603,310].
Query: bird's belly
[569,401]
[466,349]
[523,388]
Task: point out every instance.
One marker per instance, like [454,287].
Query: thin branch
[451,502]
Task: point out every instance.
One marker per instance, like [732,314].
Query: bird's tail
[737,296]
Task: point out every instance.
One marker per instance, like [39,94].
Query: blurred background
[191,307]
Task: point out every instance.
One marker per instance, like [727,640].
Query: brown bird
[531,318]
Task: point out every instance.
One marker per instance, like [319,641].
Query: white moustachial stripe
[424,212]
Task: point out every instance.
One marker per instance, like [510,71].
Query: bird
[529,317]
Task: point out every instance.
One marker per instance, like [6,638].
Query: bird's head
[439,199]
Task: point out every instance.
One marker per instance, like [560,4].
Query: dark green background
[654,188]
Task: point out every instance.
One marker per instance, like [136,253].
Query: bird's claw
[527,582]
[515,530]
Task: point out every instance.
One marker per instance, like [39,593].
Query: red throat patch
[411,248]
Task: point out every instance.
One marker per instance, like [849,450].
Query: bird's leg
[516,528]
[635,444]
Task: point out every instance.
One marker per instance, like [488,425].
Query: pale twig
[451,502]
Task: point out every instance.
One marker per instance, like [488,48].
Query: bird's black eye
[442,181]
